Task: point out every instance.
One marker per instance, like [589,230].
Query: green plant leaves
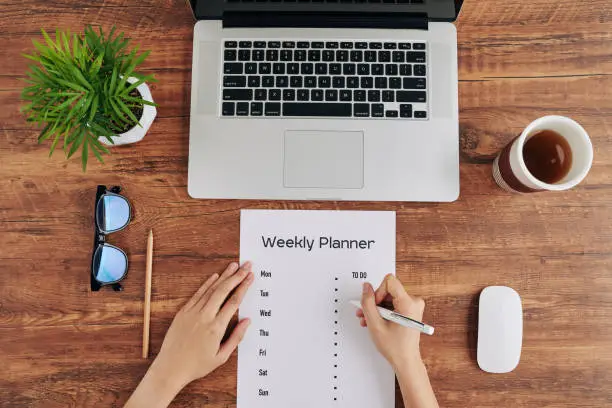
[77,90]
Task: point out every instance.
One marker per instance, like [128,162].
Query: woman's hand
[398,344]
[193,345]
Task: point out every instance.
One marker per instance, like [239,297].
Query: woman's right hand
[398,344]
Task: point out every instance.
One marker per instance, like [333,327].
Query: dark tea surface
[548,156]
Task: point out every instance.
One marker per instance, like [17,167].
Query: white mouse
[500,329]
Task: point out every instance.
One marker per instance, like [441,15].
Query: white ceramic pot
[136,133]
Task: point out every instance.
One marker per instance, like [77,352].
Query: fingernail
[247,265]
[250,277]
[366,287]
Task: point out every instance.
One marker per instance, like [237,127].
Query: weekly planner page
[305,347]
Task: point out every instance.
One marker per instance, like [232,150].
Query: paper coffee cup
[511,173]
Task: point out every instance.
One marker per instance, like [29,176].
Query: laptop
[324,100]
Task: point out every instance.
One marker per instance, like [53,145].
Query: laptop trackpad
[323,159]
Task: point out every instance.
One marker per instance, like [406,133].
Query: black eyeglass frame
[100,240]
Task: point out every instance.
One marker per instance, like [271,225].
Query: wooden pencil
[147,299]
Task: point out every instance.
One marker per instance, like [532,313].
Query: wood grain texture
[61,345]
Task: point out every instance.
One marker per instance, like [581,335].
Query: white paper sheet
[305,347]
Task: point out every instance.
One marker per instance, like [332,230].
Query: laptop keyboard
[352,79]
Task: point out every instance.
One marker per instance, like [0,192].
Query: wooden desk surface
[61,345]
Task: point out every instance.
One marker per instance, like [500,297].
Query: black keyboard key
[229,55]
[405,70]
[378,110]
[237,94]
[335,69]
[390,46]
[356,56]
[363,69]
[317,44]
[419,46]
[361,46]
[299,55]
[377,69]
[272,55]
[415,56]
[395,83]
[310,82]
[293,68]
[274,44]
[398,56]
[228,108]
[244,55]
[348,69]
[289,95]
[231,44]
[338,82]
[331,95]
[359,96]
[324,82]
[274,95]
[384,56]
[352,82]
[295,82]
[369,56]
[242,109]
[278,68]
[273,109]
[316,95]
[331,45]
[376,46]
[286,55]
[317,109]
[412,96]
[321,69]
[404,46]
[261,94]
[267,81]
[380,83]
[254,82]
[232,68]
[250,68]
[342,56]
[367,82]
[282,81]
[303,95]
[361,110]
[420,70]
[328,55]
[388,96]
[307,68]
[265,68]
[420,114]
[405,110]
[374,96]
[256,108]
[303,44]
[258,55]
[346,45]
[314,55]
[391,114]
[414,83]
[259,44]
[288,44]
[391,69]
[346,95]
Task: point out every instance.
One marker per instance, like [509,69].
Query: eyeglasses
[109,264]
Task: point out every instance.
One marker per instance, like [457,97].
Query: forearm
[415,386]
[157,388]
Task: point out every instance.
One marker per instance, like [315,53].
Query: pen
[399,319]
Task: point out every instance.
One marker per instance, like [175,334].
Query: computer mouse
[500,329]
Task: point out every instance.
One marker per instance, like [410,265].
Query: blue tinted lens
[110,264]
[116,213]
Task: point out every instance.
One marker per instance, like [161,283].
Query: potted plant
[84,91]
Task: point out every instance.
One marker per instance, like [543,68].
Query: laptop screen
[436,10]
